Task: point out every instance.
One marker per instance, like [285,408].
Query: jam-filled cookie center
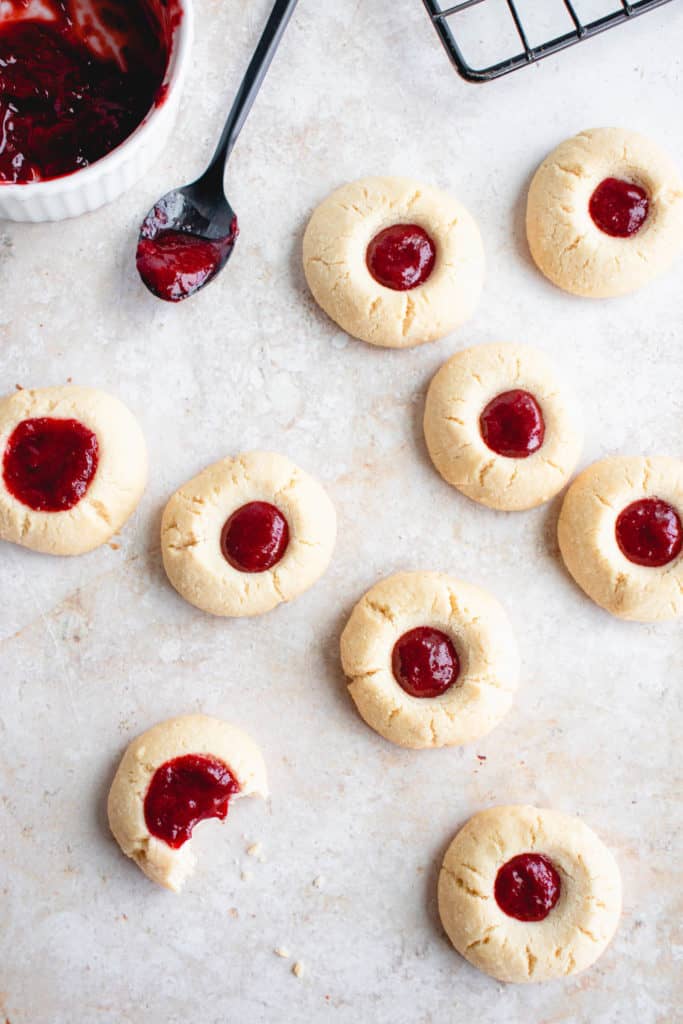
[49,464]
[649,532]
[185,791]
[255,537]
[619,208]
[401,257]
[512,424]
[527,887]
[425,662]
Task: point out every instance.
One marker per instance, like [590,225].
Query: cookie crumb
[256,851]
[318,882]
[281,951]
[298,969]
[247,876]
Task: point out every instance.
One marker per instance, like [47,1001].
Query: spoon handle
[251,83]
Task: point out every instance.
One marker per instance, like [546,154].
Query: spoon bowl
[185,241]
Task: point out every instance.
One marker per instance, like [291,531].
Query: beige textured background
[96,649]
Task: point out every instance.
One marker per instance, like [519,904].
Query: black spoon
[188,236]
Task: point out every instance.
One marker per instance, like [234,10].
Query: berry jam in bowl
[89,92]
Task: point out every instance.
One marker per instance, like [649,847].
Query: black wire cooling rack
[447,21]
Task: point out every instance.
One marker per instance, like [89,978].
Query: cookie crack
[484,940]
[352,206]
[485,681]
[183,546]
[455,607]
[574,244]
[575,172]
[485,470]
[383,610]
[603,501]
[289,486]
[471,867]
[326,263]
[100,510]
[408,316]
[553,465]
[533,832]
[340,282]
[515,474]
[619,588]
[462,885]
[277,587]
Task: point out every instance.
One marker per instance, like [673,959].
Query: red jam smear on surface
[185,791]
[619,208]
[512,424]
[255,537]
[527,887]
[401,257]
[424,662]
[77,80]
[174,265]
[49,464]
[649,532]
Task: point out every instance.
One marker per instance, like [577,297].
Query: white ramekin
[109,177]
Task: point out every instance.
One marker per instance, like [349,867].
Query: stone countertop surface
[96,649]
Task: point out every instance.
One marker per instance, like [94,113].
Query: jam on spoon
[175,264]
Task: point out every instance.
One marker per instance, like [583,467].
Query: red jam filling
[512,425]
[49,464]
[527,887]
[619,208]
[649,532]
[184,792]
[424,662]
[174,265]
[255,537]
[401,257]
[76,79]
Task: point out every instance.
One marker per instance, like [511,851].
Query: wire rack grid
[445,20]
